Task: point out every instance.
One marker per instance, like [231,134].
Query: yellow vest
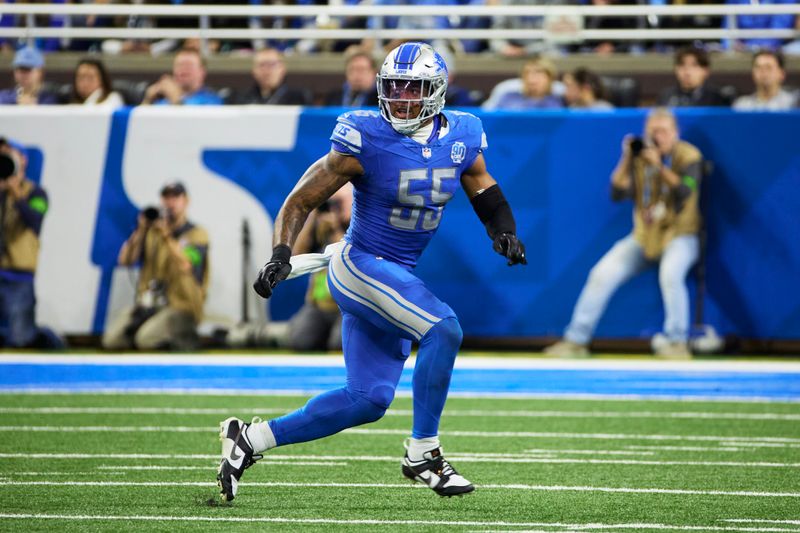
[183,289]
[20,241]
[656,221]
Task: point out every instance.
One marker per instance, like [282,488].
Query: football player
[405,164]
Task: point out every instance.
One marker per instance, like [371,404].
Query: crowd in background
[539,85]
[504,47]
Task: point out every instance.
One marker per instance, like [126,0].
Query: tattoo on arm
[323,178]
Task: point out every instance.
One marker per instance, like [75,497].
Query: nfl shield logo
[458,152]
[426,152]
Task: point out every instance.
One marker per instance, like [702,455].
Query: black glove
[507,245]
[276,270]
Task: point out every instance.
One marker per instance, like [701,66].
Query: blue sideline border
[473,376]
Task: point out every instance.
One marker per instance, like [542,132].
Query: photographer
[318,324]
[661,174]
[170,294]
[23,205]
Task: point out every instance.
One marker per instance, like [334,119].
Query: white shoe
[237,456]
[566,349]
[436,472]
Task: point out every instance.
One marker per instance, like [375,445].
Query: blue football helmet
[412,84]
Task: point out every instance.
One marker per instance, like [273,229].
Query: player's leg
[678,258]
[400,300]
[623,261]
[374,360]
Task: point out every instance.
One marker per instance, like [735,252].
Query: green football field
[82,462]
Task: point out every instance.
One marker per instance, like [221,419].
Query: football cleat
[237,456]
[436,472]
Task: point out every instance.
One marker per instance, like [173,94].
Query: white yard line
[511,487]
[404,432]
[160,390]
[57,410]
[762,521]
[470,362]
[521,459]
[214,467]
[558,526]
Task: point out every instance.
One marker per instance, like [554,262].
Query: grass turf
[539,465]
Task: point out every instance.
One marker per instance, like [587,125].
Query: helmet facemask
[408,102]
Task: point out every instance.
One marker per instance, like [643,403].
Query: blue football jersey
[399,200]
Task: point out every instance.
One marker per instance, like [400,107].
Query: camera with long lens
[329,205]
[636,146]
[8,165]
[151,213]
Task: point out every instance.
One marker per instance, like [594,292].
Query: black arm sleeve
[493,210]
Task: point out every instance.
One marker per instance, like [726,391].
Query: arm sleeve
[494,211]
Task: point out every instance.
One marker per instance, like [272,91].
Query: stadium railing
[561,22]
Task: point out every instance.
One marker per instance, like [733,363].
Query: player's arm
[494,211]
[323,178]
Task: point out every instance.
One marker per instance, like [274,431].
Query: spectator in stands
[456,95]
[359,86]
[408,22]
[584,90]
[692,68]
[661,173]
[172,253]
[609,22]
[91,85]
[23,205]
[521,47]
[783,21]
[186,85]
[28,65]
[537,85]
[269,75]
[768,76]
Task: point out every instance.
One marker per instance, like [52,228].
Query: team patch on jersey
[426,152]
[458,152]
[346,134]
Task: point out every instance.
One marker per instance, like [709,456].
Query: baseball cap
[28,57]
[175,188]
[14,144]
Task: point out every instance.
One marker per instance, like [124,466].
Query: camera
[329,205]
[151,213]
[636,145]
[8,165]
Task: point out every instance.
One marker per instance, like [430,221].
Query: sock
[417,447]
[260,437]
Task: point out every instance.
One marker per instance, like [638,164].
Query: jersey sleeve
[476,138]
[346,136]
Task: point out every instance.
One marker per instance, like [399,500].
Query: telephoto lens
[151,213]
[8,167]
[636,145]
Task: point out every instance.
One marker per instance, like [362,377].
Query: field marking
[512,487]
[762,521]
[214,467]
[408,412]
[558,526]
[500,458]
[470,362]
[160,390]
[404,432]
